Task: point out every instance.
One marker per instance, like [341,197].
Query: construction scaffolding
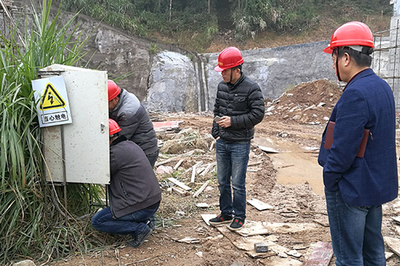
[386,57]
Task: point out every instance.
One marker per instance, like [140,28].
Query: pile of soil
[307,103]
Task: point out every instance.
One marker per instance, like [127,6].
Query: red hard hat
[113,127]
[351,33]
[228,58]
[113,90]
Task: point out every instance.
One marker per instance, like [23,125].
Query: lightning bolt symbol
[50,98]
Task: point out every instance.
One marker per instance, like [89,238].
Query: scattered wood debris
[180,191]
[259,205]
[195,195]
[178,183]
[396,219]
[166,125]
[189,240]
[267,149]
[202,205]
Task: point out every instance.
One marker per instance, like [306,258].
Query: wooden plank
[167,125]
[255,163]
[321,254]
[180,191]
[259,205]
[267,149]
[202,205]
[396,219]
[393,244]
[194,171]
[178,183]
[178,163]
[208,168]
[195,195]
[206,217]
[167,161]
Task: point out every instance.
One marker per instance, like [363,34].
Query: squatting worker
[134,191]
[356,187]
[240,103]
[126,109]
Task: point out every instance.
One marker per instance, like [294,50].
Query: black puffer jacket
[135,122]
[244,103]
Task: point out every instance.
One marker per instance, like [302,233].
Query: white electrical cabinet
[79,152]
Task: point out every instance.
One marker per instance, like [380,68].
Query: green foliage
[154,48]
[145,17]
[33,222]
[254,16]
[191,17]
[368,7]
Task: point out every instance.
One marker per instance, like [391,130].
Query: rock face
[172,84]
[119,55]
[171,81]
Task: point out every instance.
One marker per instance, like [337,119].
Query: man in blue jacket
[356,186]
[239,106]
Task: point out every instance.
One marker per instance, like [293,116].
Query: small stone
[260,247]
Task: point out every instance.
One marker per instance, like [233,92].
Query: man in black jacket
[239,106]
[134,191]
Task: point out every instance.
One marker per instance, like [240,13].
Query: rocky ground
[282,173]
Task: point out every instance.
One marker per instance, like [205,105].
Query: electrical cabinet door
[79,152]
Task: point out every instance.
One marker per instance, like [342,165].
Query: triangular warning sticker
[51,99]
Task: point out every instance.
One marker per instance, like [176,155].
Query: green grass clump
[34,223]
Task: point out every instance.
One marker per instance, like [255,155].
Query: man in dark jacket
[126,109]
[134,191]
[356,185]
[239,106]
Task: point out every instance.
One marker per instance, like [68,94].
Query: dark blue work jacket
[366,103]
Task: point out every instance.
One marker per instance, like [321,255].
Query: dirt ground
[287,177]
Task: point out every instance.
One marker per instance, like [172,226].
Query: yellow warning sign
[51,99]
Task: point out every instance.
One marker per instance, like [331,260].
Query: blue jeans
[132,224]
[232,160]
[355,232]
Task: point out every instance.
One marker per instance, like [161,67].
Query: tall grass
[33,222]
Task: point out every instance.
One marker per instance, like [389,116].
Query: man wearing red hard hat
[126,109]
[358,151]
[134,191]
[239,106]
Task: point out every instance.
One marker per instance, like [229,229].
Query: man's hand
[225,121]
